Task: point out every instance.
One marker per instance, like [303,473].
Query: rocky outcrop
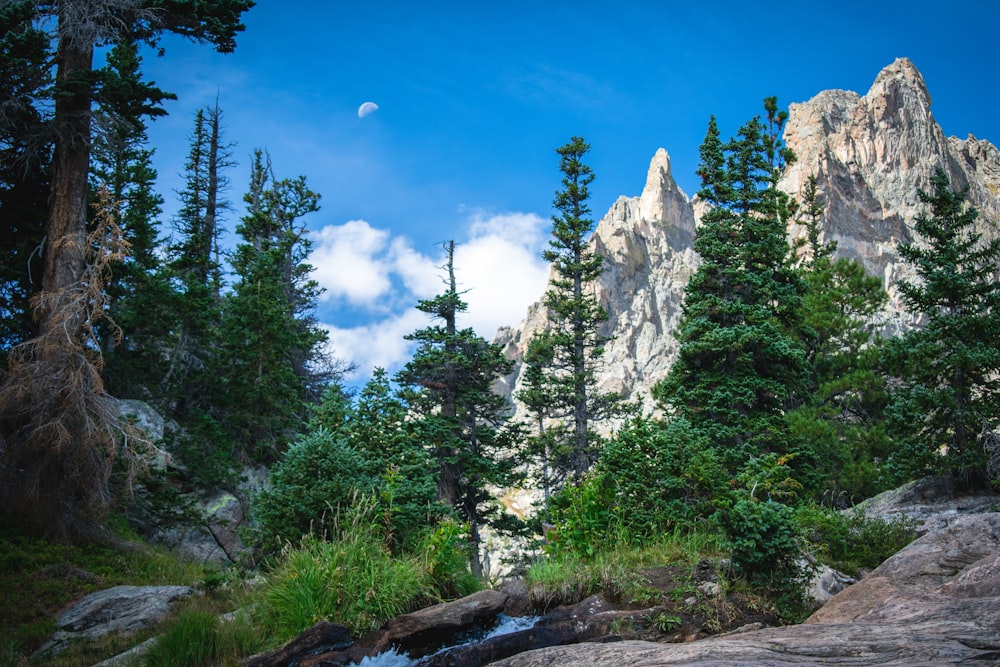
[870,153]
[646,242]
[936,602]
[122,609]
[930,504]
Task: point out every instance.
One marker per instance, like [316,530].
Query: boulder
[426,630]
[323,637]
[936,602]
[930,504]
[122,609]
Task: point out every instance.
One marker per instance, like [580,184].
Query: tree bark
[66,227]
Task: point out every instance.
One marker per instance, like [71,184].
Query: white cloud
[380,343]
[349,263]
[502,269]
[499,269]
[420,274]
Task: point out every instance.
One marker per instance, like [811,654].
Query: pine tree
[25,155]
[123,164]
[448,386]
[837,427]
[192,312]
[270,334]
[949,369]
[739,364]
[407,485]
[564,360]
[59,355]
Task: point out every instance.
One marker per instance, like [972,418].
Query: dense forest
[785,402]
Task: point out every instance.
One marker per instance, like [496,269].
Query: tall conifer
[448,385]
[739,364]
[949,369]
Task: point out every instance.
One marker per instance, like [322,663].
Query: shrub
[849,541]
[444,552]
[765,544]
[193,641]
[317,474]
[659,475]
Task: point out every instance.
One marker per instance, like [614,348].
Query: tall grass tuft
[352,579]
[193,641]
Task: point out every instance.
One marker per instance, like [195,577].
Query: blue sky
[475,97]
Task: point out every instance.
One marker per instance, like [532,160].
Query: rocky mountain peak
[869,155]
[901,78]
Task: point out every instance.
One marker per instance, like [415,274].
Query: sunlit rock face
[870,153]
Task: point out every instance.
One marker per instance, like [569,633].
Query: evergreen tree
[25,154]
[837,427]
[69,442]
[123,164]
[563,362]
[948,371]
[536,394]
[193,311]
[270,331]
[404,469]
[448,387]
[739,364]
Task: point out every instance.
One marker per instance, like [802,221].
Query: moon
[367,108]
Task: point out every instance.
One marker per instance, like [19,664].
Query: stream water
[505,626]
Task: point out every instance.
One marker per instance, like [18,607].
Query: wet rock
[324,637]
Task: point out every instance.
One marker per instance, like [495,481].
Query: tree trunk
[66,227]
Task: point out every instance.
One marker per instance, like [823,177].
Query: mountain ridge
[869,153]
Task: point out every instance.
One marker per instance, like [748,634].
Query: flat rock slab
[936,602]
[122,609]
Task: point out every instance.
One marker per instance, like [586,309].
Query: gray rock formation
[936,602]
[869,154]
[931,504]
[122,609]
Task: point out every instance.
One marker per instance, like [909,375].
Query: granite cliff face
[869,154]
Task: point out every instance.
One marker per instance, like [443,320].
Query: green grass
[354,581]
[38,578]
[617,570]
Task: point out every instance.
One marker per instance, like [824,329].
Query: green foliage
[319,474]
[584,522]
[397,459]
[25,80]
[739,365]
[193,641]
[656,476]
[561,363]
[199,637]
[766,546]
[617,568]
[763,537]
[949,370]
[444,553]
[351,579]
[271,336]
[455,413]
[38,578]
[205,449]
[837,432]
[850,540]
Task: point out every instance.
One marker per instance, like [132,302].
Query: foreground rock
[122,609]
[936,602]
[418,634]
